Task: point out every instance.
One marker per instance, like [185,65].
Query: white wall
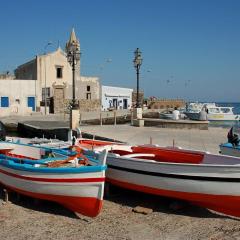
[46,72]
[49,62]
[17,89]
[120,95]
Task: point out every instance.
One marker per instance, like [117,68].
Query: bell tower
[73,41]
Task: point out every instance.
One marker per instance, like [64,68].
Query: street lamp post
[73,56]
[137,64]
[45,82]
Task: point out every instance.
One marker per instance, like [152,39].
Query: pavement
[205,140]
[62,117]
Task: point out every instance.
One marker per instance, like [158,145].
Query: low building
[116,98]
[17,97]
[165,103]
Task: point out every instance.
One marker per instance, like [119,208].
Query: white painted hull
[212,181]
[223,117]
[176,177]
[80,192]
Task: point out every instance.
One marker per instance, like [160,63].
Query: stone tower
[74,41]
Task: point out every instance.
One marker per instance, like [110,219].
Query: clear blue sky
[191,48]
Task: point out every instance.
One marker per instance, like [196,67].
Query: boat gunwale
[30,168]
[178,164]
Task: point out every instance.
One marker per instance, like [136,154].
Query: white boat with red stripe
[60,178]
[204,179]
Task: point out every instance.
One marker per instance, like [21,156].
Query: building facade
[46,71]
[116,98]
[17,97]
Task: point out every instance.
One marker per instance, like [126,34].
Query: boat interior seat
[139,155]
[120,152]
[170,155]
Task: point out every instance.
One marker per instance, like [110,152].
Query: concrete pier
[207,140]
[183,124]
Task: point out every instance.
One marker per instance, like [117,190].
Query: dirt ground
[26,218]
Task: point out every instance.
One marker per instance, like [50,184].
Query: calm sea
[227,124]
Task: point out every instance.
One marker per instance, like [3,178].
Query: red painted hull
[88,206]
[229,205]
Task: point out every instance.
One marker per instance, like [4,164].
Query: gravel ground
[26,218]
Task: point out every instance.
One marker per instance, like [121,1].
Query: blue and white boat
[55,175]
[232,147]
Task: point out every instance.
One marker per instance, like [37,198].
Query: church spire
[73,41]
[73,37]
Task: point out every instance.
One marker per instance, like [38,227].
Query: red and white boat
[204,179]
[64,179]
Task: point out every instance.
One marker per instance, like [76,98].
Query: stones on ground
[142,210]
[84,218]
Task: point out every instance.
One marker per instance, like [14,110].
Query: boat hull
[81,192]
[216,188]
[221,203]
[222,117]
[228,149]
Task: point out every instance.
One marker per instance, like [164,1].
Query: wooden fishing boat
[56,175]
[204,179]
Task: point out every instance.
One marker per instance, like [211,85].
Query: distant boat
[214,113]
[64,177]
[231,147]
[166,115]
[221,114]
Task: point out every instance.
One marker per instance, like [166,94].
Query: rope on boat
[79,159]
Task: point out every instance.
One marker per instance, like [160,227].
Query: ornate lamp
[73,56]
[137,64]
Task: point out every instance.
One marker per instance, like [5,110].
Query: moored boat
[232,147]
[64,177]
[214,113]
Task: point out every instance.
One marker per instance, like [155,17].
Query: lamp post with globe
[73,56]
[137,64]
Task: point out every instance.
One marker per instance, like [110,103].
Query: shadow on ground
[122,197]
[37,205]
[160,204]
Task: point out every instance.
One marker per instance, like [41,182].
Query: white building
[39,77]
[116,98]
[17,97]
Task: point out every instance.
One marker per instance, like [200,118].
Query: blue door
[31,102]
[4,102]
